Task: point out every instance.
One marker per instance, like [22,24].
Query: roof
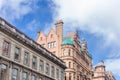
[67,41]
[24,39]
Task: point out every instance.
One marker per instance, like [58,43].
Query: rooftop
[67,41]
[11,30]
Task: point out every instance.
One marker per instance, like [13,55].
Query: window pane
[69,52]
[6,46]
[62,75]
[17,53]
[41,66]
[70,77]
[24,76]
[15,74]
[69,64]
[64,52]
[57,73]
[26,58]
[33,77]
[3,72]
[47,69]
[40,78]
[34,62]
[52,71]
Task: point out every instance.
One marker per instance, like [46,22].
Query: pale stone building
[70,50]
[21,58]
[100,73]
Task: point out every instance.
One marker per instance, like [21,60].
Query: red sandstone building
[100,72]
[70,50]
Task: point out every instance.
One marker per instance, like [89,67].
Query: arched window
[69,64]
[70,76]
[69,52]
[3,72]
[64,52]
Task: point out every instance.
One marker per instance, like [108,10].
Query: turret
[84,45]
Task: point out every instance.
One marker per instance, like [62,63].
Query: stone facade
[101,74]
[70,50]
[21,58]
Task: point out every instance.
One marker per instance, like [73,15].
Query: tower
[59,32]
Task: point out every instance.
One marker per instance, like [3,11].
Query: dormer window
[41,38]
[51,35]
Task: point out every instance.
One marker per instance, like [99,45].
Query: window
[65,63]
[69,64]
[17,53]
[40,78]
[51,36]
[52,44]
[47,69]
[15,74]
[26,58]
[69,52]
[62,75]
[34,62]
[70,77]
[64,52]
[57,73]
[65,76]
[6,47]
[33,77]
[3,72]
[41,68]
[52,71]
[49,45]
[41,38]
[24,76]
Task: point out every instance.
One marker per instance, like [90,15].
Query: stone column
[30,60]
[22,55]
[1,45]
[20,72]
[38,63]
[12,51]
[50,69]
[10,71]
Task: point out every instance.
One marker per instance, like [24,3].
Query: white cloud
[32,26]
[113,65]
[100,17]
[15,9]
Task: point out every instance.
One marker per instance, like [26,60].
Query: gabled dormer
[41,39]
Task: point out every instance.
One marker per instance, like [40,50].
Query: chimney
[59,32]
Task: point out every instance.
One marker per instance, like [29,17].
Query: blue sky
[98,22]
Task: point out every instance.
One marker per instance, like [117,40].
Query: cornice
[13,32]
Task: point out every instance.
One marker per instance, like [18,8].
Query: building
[101,74]
[21,58]
[70,50]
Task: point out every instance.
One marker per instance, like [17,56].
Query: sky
[97,20]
